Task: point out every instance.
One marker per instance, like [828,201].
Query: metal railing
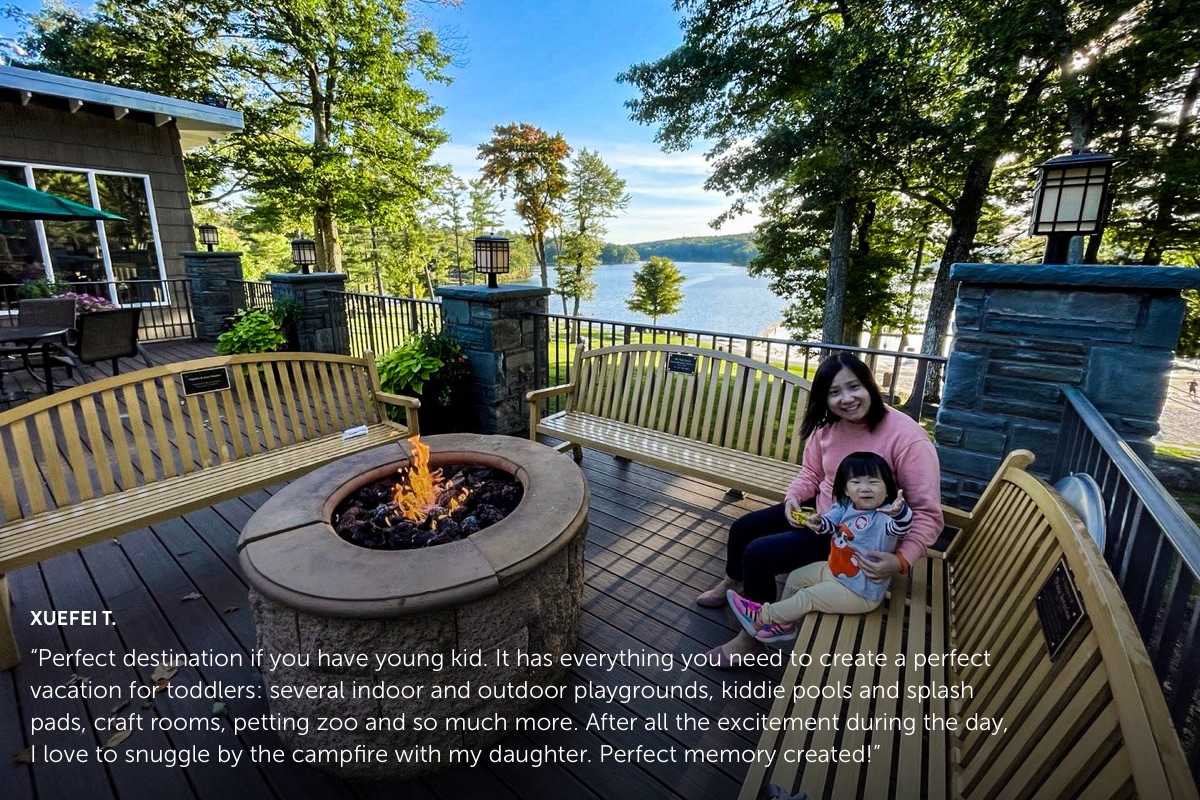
[378,323]
[166,304]
[1153,549]
[556,338]
[250,294]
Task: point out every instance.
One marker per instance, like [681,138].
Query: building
[116,149]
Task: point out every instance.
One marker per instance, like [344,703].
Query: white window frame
[101,233]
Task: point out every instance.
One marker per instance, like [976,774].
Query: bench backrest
[1091,723]
[717,398]
[136,428]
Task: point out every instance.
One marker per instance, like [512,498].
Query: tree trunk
[964,223]
[912,288]
[839,266]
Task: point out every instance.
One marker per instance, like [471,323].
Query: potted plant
[432,367]
[253,330]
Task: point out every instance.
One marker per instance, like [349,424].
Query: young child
[869,515]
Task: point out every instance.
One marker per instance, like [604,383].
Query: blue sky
[553,64]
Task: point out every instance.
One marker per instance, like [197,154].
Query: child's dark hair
[864,465]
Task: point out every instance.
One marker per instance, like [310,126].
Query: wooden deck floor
[655,541]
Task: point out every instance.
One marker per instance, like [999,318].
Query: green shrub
[254,331]
[433,368]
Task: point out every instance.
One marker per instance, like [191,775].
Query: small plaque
[1059,608]
[684,363]
[202,381]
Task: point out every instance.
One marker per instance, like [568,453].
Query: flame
[418,495]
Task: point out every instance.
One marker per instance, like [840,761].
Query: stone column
[322,327]
[209,274]
[496,332]
[1022,330]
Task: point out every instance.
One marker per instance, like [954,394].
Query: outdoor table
[29,336]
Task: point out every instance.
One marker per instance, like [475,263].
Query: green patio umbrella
[19,202]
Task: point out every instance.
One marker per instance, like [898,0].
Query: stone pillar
[209,274]
[496,333]
[1022,330]
[319,328]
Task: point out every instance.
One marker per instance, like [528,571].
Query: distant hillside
[736,249]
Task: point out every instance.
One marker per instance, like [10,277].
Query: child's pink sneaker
[746,611]
[776,632]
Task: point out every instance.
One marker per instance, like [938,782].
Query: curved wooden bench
[689,410]
[1089,722]
[111,456]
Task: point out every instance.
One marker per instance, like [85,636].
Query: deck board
[655,541]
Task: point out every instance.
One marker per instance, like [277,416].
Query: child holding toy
[869,515]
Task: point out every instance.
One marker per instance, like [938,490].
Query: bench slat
[37,538]
[1090,724]
[764,477]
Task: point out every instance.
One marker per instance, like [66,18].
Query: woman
[845,413]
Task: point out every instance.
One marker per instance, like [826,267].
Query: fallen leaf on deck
[220,710]
[193,596]
[117,709]
[147,704]
[164,672]
[231,609]
[117,738]
[25,756]
[184,553]
[78,680]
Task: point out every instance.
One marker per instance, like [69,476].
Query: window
[117,259]
[20,254]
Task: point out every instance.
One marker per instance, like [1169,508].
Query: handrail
[1153,548]
[1177,526]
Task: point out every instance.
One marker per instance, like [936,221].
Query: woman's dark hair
[864,465]
[817,413]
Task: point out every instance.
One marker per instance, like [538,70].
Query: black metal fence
[378,323]
[250,294]
[166,304]
[1153,548]
[556,338]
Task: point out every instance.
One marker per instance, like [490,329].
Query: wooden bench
[1089,723]
[118,454]
[689,410]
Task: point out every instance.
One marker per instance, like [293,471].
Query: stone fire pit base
[447,621]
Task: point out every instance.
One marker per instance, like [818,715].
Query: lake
[716,297]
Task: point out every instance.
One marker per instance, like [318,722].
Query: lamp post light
[1070,199]
[491,257]
[209,236]
[304,254]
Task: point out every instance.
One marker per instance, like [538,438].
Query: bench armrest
[398,400]
[537,395]
[955,517]
[410,406]
[535,399]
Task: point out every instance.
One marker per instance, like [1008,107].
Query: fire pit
[428,620]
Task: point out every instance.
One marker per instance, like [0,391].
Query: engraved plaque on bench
[1059,608]
[684,363]
[202,381]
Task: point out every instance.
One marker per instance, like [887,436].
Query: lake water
[716,297]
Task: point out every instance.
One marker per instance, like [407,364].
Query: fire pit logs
[423,507]
[515,585]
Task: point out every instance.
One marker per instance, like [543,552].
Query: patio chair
[51,312]
[109,335]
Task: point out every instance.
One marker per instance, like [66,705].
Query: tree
[594,193]
[326,88]
[656,288]
[454,202]
[618,254]
[532,164]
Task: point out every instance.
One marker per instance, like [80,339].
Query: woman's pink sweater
[906,448]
